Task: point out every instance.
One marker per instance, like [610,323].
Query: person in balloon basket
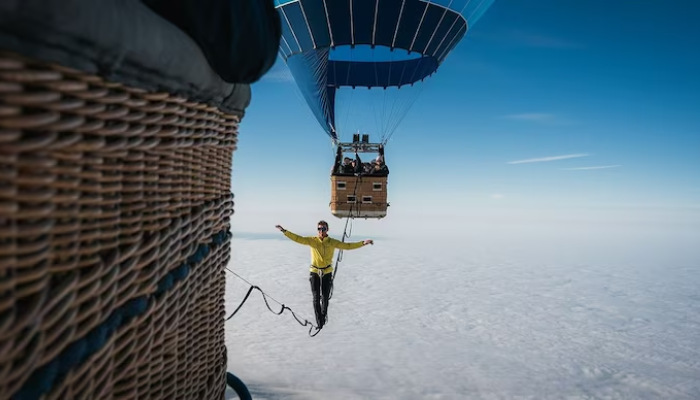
[349,166]
[321,270]
[379,168]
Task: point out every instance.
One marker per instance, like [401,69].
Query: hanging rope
[304,322]
[346,235]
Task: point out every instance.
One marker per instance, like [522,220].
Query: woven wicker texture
[106,194]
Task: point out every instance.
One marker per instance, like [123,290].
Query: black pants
[321,289]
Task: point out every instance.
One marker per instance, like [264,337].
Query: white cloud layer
[512,314]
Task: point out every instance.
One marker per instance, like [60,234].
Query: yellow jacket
[322,250]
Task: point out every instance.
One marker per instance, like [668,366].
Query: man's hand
[368,241]
[280,228]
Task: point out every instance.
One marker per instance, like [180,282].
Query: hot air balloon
[337,47]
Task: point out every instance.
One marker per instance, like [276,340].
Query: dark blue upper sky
[562,85]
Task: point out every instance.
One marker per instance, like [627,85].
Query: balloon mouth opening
[367,52]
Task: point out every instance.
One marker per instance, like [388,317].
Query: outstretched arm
[350,245]
[299,239]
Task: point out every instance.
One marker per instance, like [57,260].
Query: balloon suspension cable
[346,234]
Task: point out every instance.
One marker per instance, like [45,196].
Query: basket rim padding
[121,41]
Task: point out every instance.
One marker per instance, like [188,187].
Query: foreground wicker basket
[114,219]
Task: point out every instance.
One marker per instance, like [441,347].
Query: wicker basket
[359,196]
[114,219]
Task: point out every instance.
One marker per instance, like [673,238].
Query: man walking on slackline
[321,270]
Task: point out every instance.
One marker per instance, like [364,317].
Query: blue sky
[534,95]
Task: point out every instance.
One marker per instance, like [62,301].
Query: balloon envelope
[333,45]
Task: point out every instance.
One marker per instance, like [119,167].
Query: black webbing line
[305,322]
